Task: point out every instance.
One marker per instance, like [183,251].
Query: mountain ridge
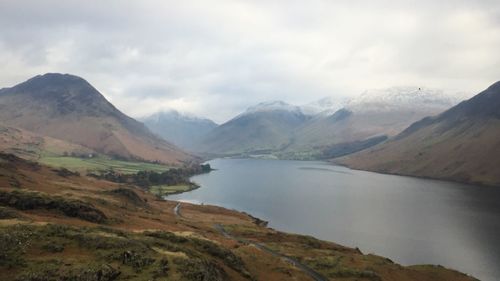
[336,123]
[181,129]
[460,144]
[69,108]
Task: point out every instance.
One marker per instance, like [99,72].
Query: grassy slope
[142,239]
[50,151]
[465,153]
[162,190]
[461,144]
[101,163]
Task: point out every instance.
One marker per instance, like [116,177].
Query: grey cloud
[215,58]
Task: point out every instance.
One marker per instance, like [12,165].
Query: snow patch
[402,98]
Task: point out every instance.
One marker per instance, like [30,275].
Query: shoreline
[446,180]
[133,225]
[256,220]
[264,223]
[164,195]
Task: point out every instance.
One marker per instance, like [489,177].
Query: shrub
[136,260]
[33,200]
[53,247]
[13,242]
[228,257]
[169,236]
[7,213]
[200,270]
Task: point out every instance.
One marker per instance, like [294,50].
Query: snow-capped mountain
[182,129]
[402,98]
[370,118]
[324,106]
[264,127]
[330,124]
[460,144]
[172,114]
[270,106]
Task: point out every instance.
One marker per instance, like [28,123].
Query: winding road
[177,209]
[306,269]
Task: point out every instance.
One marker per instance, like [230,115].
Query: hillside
[180,129]
[56,225]
[261,128]
[30,145]
[67,107]
[368,119]
[461,144]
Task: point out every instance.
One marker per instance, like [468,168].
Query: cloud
[215,58]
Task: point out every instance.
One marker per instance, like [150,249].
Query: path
[309,271]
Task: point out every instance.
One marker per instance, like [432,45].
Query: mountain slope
[264,127]
[461,144]
[30,145]
[180,129]
[67,107]
[371,116]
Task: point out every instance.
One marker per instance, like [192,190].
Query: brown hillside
[30,145]
[461,144]
[69,108]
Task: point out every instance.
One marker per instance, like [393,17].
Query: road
[307,270]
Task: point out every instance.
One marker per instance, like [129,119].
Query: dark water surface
[410,220]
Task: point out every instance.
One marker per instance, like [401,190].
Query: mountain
[261,128]
[329,127]
[181,129]
[30,145]
[67,107]
[324,106]
[368,119]
[460,144]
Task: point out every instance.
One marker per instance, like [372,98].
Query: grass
[163,190]
[58,252]
[100,163]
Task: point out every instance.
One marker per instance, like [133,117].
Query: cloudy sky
[215,58]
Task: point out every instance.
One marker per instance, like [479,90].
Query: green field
[100,163]
[163,190]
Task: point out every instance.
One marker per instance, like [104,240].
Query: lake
[410,220]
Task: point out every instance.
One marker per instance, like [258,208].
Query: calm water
[412,221]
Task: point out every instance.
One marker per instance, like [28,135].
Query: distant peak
[272,106]
[270,103]
[324,106]
[171,114]
[403,98]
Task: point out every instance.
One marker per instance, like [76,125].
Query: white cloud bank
[215,58]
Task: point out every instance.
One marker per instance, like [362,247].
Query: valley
[125,233]
[236,140]
[324,129]
[78,173]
